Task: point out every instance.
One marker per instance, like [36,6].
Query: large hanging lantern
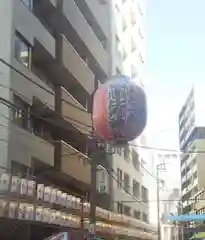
[119,110]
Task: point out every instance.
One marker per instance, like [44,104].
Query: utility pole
[93,186]
[93,174]
[158,206]
[159,167]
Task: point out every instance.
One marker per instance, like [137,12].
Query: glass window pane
[22,51]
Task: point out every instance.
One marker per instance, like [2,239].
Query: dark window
[137,214]
[19,169]
[119,207]
[136,189]
[135,160]
[127,210]
[22,51]
[126,182]
[119,178]
[118,73]
[144,217]
[144,195]
[21,113]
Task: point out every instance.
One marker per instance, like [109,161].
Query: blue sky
[175,33]
[175,52]
[175,59]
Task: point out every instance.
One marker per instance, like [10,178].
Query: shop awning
[186,218]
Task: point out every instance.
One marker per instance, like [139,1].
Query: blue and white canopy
[186,218]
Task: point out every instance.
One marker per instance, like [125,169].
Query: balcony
[31,28]
[95,14]
[74,112]
[23,146]
[31,89]
[74,163]
[77,68]
[86,34]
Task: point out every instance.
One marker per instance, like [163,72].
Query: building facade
[129,188]
[170,208]
[192,138]
[53,55]
[128,57]
[129,38]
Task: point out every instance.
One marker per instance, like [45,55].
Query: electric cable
[89,126]
[7,103]
[45,119]
[120,182]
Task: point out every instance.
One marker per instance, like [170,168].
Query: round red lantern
[119,110]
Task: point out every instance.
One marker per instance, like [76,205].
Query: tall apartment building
[59,51]
[129,38]
[192,138]
[128,53]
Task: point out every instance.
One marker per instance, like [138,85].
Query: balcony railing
[74,163]
[74,112]
[24,145]
[76,66]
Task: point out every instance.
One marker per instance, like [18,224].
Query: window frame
[19,37]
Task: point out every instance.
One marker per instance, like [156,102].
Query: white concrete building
[171,207]
[192,138]
[128,58]
[129,44]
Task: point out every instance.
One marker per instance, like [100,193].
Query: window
[137,214]
[119,178]
[127,153]
[126,182]
[144,195]
[144,217]
[118,73]
[21,114]
[119,151]
[19,169]
[22,50]
[119,207]
[28,3]
[135,160]
[136,189]
[127,210]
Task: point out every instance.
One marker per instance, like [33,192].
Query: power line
[112,170]
[79,122]
[37,84]
[89,126]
